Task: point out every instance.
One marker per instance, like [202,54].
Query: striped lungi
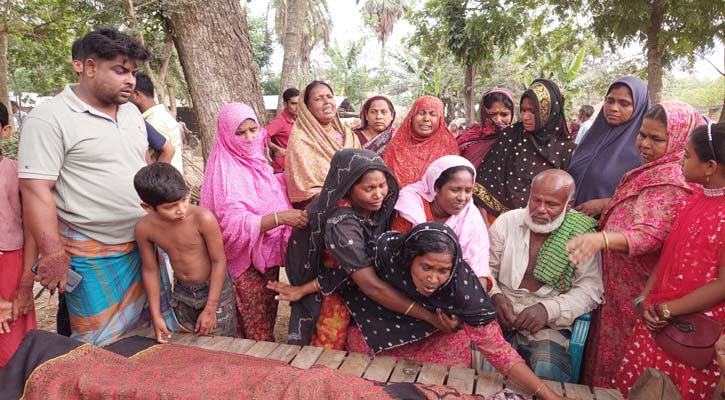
[109,300]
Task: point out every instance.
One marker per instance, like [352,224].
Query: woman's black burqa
[303,261]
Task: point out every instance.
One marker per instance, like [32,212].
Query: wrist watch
[665,311]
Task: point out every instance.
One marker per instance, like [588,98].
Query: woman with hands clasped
[689,278]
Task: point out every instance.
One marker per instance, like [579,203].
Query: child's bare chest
[183,239]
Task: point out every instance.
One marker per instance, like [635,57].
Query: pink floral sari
[642,209]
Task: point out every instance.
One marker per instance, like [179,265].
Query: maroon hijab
[478,139]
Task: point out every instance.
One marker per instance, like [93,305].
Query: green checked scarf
[552,264]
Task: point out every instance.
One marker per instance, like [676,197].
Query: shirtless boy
[203,291]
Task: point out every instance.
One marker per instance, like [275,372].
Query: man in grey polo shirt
[77,158]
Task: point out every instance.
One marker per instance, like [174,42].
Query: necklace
[714,192]
[438,214]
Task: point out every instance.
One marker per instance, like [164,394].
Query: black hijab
[504,177]
[461,295]
[305,248]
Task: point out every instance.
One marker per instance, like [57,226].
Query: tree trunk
[172,98]
[470,92]
[382,57]
[159,81]
[212,41]
[655,50]
[722,112]
[4,91]
[292,44]
[165,60]
[4,35]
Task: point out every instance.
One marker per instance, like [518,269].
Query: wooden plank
[580,392]
[307,357]
[240,346]
[432,374]
[405,371]
[488,383]
[188,339]
[607,394]
[461,379]
[654,385]
[515,387]
[555,387]
[477,360]
[144,331]
[261,349]
[355,364]
[214,342]
[380,369]
[285,352]
[331,358]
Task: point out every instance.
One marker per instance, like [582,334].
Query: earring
[707,178]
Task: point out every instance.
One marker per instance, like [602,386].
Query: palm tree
[381,16]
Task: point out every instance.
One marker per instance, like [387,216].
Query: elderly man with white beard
[537,291]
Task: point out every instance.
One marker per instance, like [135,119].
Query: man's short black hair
[587,110]
[76,50]
[14,103]
[144,84]
[4,116]
[159,183]
[290,93]
[108,43]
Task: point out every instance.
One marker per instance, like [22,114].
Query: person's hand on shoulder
[593,208]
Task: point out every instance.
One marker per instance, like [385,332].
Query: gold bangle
[539,389]
[410,307]
[276,221]
[606,240]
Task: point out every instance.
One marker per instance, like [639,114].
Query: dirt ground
[46,308]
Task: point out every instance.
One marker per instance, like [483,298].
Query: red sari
[690,259]
[409,155]
[642,209]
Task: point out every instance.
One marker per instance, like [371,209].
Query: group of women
[383,233]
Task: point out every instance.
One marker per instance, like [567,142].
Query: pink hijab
[682,118]
[240,188]
[468,224]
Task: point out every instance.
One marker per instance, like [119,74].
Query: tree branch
[148,3]
[710,62]
[6,16]
[138,33]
